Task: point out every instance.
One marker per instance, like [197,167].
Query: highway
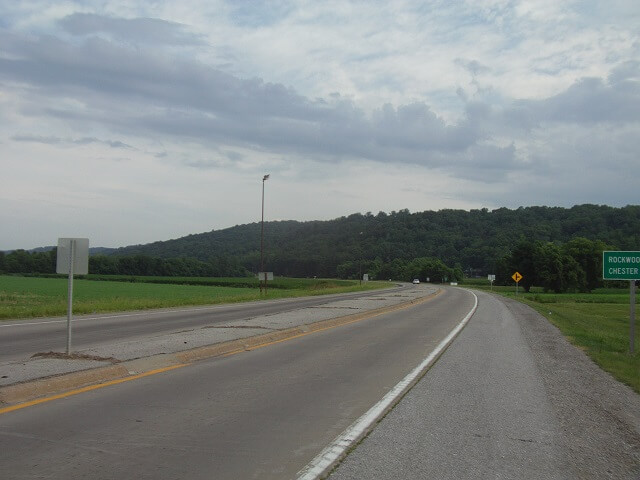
[22,338]
[505,429]
[509,398]
[259,414]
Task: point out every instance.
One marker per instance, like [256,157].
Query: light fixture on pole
[262,272]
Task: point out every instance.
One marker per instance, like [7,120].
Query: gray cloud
[627,71]
[37,139]
[69,141]
[137,30]
[586,103]
[591,100]
[546,111]
[136,92]
[472,66]
[196,101]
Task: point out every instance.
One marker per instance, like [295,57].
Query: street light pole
[262,272]
[361,255]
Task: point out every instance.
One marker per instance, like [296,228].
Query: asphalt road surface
[510,398]
[259,414]
[19,339]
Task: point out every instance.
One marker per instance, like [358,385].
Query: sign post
[73,257]
[263,277]
[516,278]
[632,316]
[624,265]
[491,278]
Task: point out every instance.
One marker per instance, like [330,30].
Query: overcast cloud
[129,123]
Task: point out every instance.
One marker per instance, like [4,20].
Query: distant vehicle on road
[416,281]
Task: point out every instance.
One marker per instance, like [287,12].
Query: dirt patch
[74,356]
[248,327]
[321,307]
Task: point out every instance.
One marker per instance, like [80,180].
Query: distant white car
[416,281]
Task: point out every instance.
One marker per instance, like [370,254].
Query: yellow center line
[304,334]
[88,388]
[173,367]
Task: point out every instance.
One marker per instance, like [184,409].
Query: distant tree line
[547,245]
[475,240]
[23,262]
[424,269]
[572,266]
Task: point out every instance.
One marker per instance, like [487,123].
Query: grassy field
[597,323]
[242,282]
[27,297]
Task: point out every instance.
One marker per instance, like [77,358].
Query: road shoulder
[599,416]
[510,398]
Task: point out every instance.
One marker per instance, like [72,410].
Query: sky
[131,122]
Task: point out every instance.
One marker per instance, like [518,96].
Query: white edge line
[333,452]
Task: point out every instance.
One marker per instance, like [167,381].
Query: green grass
[241,282]
[601,295]
[601,330]
[597,323]
[27,297]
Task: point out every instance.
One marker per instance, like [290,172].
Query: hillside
[474,239]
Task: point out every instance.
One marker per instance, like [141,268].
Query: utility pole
[262,272]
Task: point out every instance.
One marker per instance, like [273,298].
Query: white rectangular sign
[262,274]
[80,255]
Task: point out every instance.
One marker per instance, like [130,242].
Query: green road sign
[621,265]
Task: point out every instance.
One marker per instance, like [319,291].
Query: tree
[521,259]
[555,270]
[432,268]
[499,242]
[588,255]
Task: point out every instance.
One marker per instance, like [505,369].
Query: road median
[35,388]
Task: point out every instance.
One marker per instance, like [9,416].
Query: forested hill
[475,239]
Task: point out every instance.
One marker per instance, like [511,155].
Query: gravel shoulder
[510,398]
[599,416]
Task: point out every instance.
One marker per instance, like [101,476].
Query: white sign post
[491,278]
[263,277]
[624,265]
[73,257]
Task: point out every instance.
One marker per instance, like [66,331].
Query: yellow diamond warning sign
[516,277]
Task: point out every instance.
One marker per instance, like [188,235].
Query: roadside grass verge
[597,323]
[29,297]
[601,330]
